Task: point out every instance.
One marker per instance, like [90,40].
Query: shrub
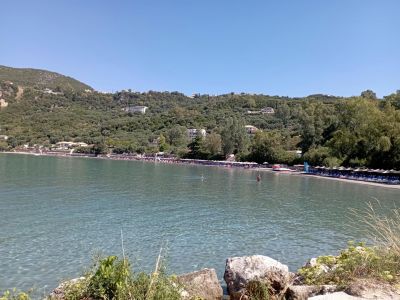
[3,146]
[317,156]
[331,162]
[357,261]
[257,290]
[112,278]
[14,295]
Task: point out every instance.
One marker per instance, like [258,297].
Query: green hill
[330,131]
[40,78]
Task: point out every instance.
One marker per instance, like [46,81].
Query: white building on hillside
[135,109]
[193,133]
[50,91]
[69,145]
[64,145]
[267,110]
[250,129]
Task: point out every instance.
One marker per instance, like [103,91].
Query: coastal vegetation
[112,278]
[354,263]
[14,295]
[380,263]
[329,130]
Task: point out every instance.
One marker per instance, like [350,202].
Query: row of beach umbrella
[381,171]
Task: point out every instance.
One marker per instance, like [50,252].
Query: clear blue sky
[292,47]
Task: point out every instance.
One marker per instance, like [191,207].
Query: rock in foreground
[239,271]
[303,292]
[336,296]
[368,289]
[203,284]
[59,292]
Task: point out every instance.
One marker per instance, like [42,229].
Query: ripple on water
[56,213]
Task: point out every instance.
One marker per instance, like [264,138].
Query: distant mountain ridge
[35,77]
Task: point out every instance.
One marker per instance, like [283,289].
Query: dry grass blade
[383,230]
[154,276]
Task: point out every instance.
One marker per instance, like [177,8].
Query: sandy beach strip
[385,185]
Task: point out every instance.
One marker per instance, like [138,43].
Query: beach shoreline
[244,166]
[385,185]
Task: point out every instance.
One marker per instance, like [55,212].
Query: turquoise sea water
[55,213]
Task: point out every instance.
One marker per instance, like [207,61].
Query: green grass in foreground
[14,295]
[112,278]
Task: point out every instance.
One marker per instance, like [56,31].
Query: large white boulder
[239,271]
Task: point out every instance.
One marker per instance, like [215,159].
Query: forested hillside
[40,78]
[332,131]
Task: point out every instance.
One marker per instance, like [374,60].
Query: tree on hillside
[315,121]
[367,134]
[268,147]
[196,146]
[177,136]
[234,137]
[368,94]
[213,144]
[162,143]
[394,99]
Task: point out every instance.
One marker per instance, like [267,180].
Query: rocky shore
[260,277]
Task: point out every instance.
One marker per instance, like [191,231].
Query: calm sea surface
[56,213]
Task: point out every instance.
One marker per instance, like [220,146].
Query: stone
[58,292]
[239,271]
[368,289]
[3,103]
[203,284]
[303,292]
[312,262]
[335,296]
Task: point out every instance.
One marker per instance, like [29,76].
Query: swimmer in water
[258,178]
[202,177]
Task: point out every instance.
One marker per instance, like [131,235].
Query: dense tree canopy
[356,131]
